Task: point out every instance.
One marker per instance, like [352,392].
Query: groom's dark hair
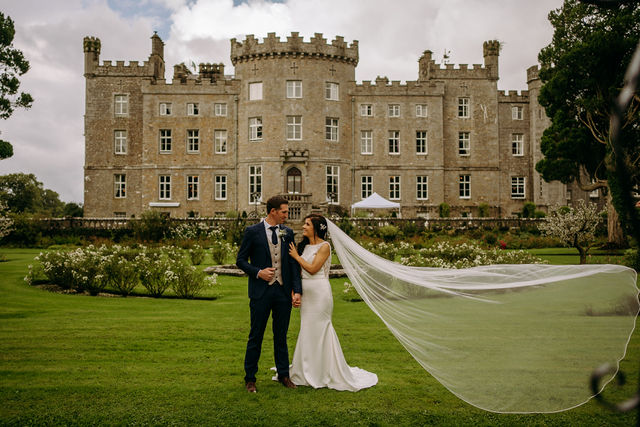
[275,202]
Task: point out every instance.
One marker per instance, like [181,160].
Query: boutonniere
[282,233]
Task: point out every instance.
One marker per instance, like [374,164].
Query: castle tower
[156,59]
[545,194]
[491,51]
[295,117]
[91,47]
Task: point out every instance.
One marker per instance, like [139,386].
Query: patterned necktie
[274,237]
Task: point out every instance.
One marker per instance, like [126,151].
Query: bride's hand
[293,252]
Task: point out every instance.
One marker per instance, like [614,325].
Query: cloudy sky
[48,139]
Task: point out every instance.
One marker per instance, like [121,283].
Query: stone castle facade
[292,120]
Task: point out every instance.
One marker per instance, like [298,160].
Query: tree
[582,72]
[12,65]
[575,227]
[23,193]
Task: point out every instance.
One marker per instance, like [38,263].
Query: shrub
[483,210]
[444,210]
[528,210]
[196,254]
[350,294]
[221,251]
[190,281]
[156,270]
[121,270]
[152,226]
[388,233]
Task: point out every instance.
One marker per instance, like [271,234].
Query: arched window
[294,181]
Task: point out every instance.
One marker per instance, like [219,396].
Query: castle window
[394,110]
[120,186]
[464,186]
[464,143]
[332,184]
[255,128]
[422,187]
[294,181]
[366,110]
[165,140]
[165,108]
[220,109]
[595,193]
[517,144]
[366,142]
[516,112]
[294,89]
[331,91]
[517,187]
[294,128]
[366,186]
[192,109]
[221,187]
[394,142]
[220,141]
[164,187]
[121,106]
[120,141]
[421,142]
[463,108]
[255,91]
[193,187]
[394,187]
[421,110]
[193,140]
[255,184]
[331,129]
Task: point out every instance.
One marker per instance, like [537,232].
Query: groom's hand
[267,274]
[296,300]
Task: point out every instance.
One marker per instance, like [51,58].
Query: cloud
[48,139]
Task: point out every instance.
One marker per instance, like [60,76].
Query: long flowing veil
[504,338]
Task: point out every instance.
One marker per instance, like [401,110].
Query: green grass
[76,360]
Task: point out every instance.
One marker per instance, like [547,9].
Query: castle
[292,120]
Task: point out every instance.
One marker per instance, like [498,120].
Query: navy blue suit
[253,256]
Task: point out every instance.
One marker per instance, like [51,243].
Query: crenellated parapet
[429,69]
[120,69]
[295,46]
[513,96]
[192,85]
[382,86]
[533,73]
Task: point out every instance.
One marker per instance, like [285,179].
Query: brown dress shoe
[251,387]
[286,381]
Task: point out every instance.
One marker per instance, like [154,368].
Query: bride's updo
[319,227]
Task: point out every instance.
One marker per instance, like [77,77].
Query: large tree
[23,193]
[12,65]
[582,71]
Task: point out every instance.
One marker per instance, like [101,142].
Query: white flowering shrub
[221,251]
[197,230]
[6,224]
[465,255]
[190,281]
[574,227]
[157,270]
[196,254]
[121,270]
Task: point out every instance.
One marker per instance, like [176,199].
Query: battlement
[429,69]
[533,73]
[513,96]
[192,85]
[382,86]
[91,44]
[271,46]
[133,69]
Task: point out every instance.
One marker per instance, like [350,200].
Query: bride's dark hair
[319,228]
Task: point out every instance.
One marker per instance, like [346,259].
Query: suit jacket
[254,255]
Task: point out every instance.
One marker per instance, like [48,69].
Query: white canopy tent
[375,201]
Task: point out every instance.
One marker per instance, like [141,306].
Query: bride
[318,360]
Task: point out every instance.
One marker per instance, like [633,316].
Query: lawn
[77,360]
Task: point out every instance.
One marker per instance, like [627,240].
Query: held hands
[296,299]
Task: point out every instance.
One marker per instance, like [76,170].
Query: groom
[274,285]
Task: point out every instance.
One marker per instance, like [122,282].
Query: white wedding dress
[318,360]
